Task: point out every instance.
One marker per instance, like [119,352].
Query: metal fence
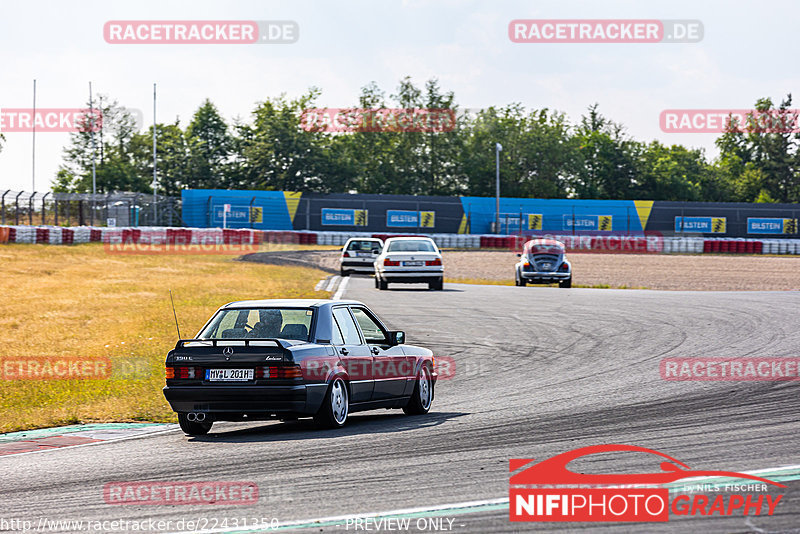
[78,209]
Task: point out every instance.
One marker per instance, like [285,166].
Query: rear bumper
[357,267]
[232,400]
[545,277]
[412,276]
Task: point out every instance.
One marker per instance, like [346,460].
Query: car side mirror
[376,251]
[341,248]
[519,255]
[397,337]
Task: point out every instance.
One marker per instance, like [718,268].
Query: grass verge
[80,301]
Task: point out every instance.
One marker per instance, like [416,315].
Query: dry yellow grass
[79,301]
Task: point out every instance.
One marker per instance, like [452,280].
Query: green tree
[395,160]
[115,161]
[280,155]
[762,154]
[608,159]
[172,165]
[672,173]
[208,145]
[366,156]
[538,157]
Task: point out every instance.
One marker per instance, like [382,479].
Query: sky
[747,52]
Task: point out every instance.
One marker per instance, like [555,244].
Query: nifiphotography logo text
[548,491]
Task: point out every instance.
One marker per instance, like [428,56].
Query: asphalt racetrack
[538,371]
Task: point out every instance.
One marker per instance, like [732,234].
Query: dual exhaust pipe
[196,416]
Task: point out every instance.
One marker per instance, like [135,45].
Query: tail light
[346,254]
[184,372]
[290,372]
[526,264]
[391,263]
[293,371]
[564,267]
[437,261]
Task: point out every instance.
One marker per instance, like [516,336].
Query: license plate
[412,263]
[363,254]
[229,375]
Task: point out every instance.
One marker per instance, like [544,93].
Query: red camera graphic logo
[619,497]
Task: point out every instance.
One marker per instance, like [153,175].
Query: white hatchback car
[358,255]
[410,260]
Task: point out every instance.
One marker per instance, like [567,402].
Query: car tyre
[383,285]
[422,397]
[193,428]
[336,406]
[436,285]
[345,273]
[566,283]
[521,281]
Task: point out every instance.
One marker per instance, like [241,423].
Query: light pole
[94,170]
[497,148]
[155,172]
[33,143]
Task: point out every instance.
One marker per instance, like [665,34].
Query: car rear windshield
[260,323]
[363,246]
[545,248]
[411,246]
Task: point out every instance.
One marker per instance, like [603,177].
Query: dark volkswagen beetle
[286,359]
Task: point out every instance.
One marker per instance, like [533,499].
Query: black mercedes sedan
[293,358]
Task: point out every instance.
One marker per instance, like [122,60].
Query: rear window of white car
[363,246]
[411,246]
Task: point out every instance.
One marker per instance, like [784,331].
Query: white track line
[342,285]
[332,282]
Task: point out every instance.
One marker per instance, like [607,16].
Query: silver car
[358,255]
[543,261]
